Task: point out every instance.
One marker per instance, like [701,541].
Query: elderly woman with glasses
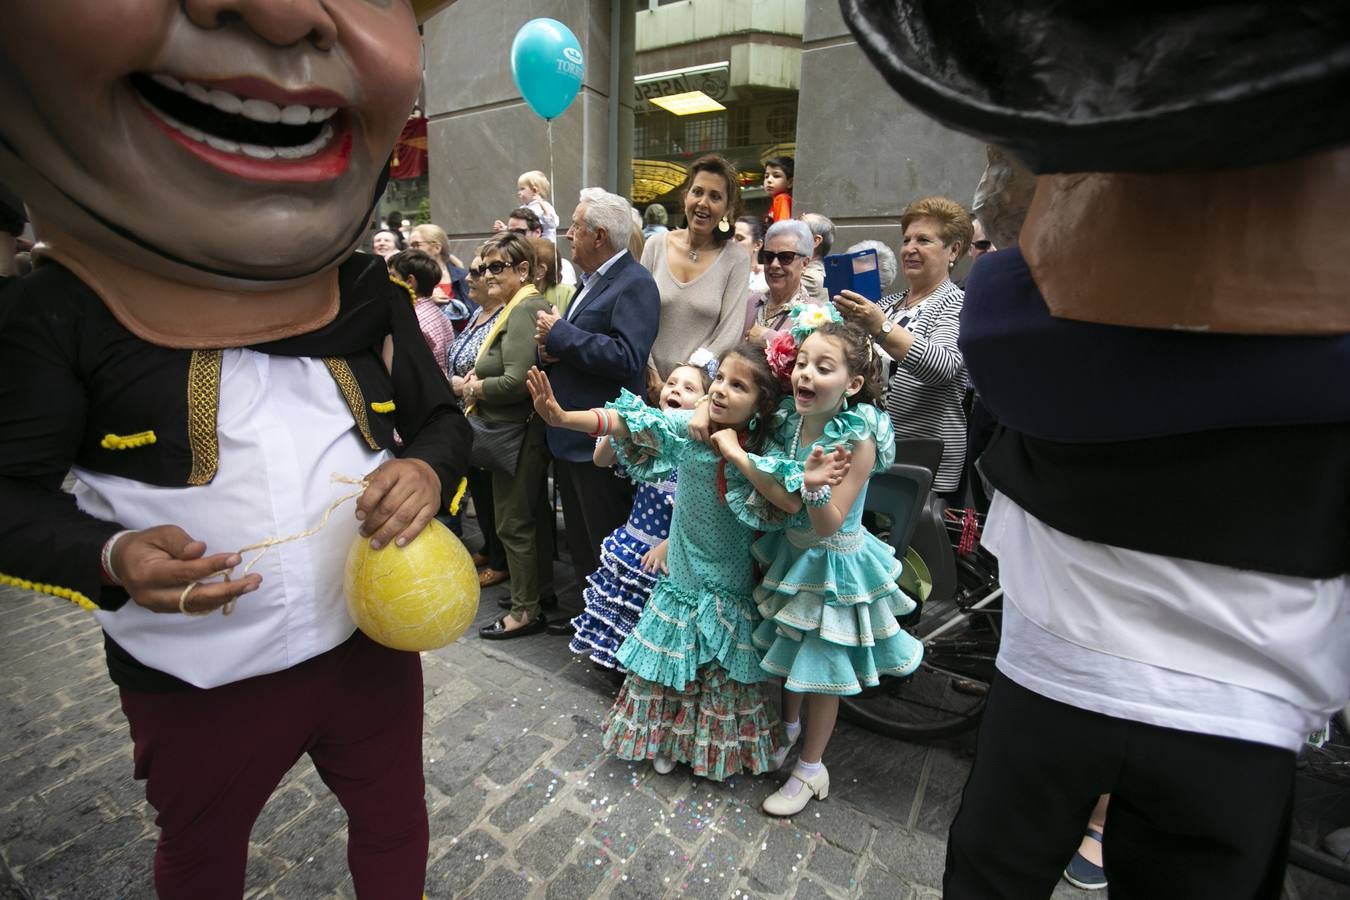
[495,390]
[917,330]
[787,249]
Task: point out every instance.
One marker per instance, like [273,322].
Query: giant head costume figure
[205,164]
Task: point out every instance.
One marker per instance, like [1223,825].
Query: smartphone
[857,272]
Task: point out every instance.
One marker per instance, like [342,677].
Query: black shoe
[497,630]
[562,629]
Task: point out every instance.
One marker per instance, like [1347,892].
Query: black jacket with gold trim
[77,388]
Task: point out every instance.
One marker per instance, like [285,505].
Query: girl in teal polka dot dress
[694,689]
[828,597]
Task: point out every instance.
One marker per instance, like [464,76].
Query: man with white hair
[598,347]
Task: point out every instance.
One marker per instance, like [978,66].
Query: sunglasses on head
[785,257]
[981,245]
[496,267]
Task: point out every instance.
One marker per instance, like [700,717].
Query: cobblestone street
[523,801]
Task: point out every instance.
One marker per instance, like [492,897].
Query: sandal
[488,577]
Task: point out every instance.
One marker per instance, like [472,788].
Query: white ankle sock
[802,771]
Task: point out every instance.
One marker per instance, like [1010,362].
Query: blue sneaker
[1082,874]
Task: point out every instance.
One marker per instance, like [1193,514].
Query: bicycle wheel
[947,693]
[1322,805]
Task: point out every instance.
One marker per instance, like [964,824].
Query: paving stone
[547,846]
[69,870]
[448,698]
[808,889]
[538,790]
[579,880]
[582,751]
[451,769]
[517,758]
[311,831]
[916,856]
[838,823]
[283,806]
[457,814]
[627,821]
[835,866]
[879,884]
[503,884]
[694,814]
[715,869]
[320,873]
[947,773]
[652,871]
[782,855]
[462,864]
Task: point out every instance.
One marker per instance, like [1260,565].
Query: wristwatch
[886,328]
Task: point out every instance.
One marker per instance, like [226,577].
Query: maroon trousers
[211,758]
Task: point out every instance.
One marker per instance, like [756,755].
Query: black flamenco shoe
[497,631]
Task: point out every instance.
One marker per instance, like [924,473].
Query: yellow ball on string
[419,597]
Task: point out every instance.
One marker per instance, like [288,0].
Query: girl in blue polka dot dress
[635,553]
[694,689]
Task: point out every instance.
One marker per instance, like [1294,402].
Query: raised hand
[824,467]
[541,392]
[157,566]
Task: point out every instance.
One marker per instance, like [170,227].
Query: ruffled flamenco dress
[617,592]
[829,605]
[694,690]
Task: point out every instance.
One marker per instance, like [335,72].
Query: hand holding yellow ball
[422,596]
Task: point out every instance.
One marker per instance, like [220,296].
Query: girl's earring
[753,423]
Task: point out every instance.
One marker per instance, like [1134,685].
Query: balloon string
[268,544]
[552,185]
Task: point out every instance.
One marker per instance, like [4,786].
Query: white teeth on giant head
[221,144]
[226,103]
[261,111]
[258,152]
[250,108]
[169,82]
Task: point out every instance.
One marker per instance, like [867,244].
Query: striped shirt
[436,328]
[925,389]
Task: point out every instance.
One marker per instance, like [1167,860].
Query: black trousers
[595,501]
[1191,817]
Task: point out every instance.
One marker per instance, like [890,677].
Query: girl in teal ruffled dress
[694,689]
[828,596]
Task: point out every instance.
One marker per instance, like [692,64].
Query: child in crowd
[419,274]
[778,185]
[828,597]
[693,691]
[633,555]
[532,189]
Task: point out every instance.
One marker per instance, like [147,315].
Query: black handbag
[496,445]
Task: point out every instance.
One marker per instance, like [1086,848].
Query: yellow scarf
[526,292]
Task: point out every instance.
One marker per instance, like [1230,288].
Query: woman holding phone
[917,330]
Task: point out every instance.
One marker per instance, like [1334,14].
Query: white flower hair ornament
[704,359]
[807,318]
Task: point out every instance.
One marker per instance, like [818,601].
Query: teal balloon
[547,64]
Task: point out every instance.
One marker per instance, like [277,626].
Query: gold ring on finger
[182,602]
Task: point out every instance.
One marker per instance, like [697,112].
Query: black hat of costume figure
[1151,86]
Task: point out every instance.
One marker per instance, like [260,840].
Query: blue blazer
[602,346]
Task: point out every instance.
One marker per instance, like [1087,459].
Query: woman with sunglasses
[917,330]
[786,251]
[495,390]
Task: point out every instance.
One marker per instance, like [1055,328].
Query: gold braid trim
[70,594]
[351,392]
[203,399]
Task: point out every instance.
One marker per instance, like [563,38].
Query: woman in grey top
[917,329]
[702,277]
